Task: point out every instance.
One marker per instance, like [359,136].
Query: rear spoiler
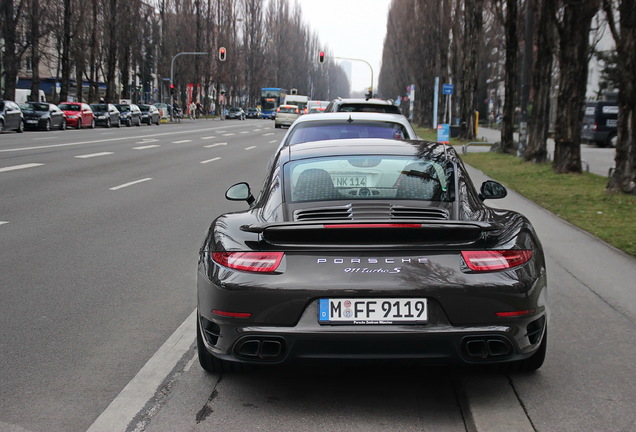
[374,233]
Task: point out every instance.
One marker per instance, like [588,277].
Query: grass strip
[577,198]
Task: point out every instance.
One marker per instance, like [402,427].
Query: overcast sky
[353,29]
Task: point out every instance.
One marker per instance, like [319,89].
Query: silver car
[286,115]
[343,125]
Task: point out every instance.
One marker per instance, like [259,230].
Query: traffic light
[171,88]
[321,56]
[222,53]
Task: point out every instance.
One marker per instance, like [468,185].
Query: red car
[78,114]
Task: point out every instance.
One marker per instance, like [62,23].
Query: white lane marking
[273,141]
[130,184]
[145,384]
[215,145]
[210,160]
[228,134]
[257,130]
[3,222]
[244,132]
[268,134]
[250,147]
[19,167]
[208,137]
[147,140]
[86,156]
[146,147]
[181,141]
[126,138]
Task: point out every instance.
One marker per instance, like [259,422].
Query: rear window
[321,131]
[36,106]
[70,107]
[288,110]
[99,107]
[369,177]
[358,107]
[123,107]
[144,108]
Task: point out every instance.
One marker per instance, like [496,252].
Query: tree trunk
[473,24]
[573,63]
[10,59]
[66,51]
[112,90]
[623,178]
[35,50]
[512,48]
[536,151]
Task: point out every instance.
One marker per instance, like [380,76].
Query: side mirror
[240,192]
[491,189]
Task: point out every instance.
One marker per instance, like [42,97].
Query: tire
[139,122]
[47,126]
[612,141]
[79,124]
[1,126]
[93,124]
[20,127]
[63,124]
[208,362]
[129,123]
[118,124]
[108,123]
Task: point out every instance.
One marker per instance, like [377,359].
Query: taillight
[595,128]
[249,261]
[495,259]
[385,225]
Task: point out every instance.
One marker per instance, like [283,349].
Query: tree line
[538,49]
[129,45]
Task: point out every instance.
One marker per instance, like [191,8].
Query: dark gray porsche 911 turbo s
[371,249]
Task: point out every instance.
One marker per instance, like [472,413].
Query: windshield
[328,130]
[361,107]
[99,107]
[144,108]
[70,107]
[123,107]
[369,177]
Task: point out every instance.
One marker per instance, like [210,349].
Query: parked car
[43,115]
[253,113]
[10,116]
[130,114]
[370,249]
[235,113]
[150,114]
[78,114]
[362,105]
[106,115]
[600,122]
[286,115]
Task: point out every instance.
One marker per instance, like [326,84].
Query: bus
[271,98]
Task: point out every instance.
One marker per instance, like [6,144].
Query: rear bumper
[436,342]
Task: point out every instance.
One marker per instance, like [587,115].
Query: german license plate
[31,121]
[350,181]
[373,311]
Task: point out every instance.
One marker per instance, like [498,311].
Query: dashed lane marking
[125,185]
[250,147]
[215,145]
[210,160]
[268,134]
[86,156]
[146,147]
[181,141]
[208,137]
[3,222]
[19,167]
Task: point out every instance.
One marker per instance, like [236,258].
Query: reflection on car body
[366,249]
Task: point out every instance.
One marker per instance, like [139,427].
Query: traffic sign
[443,133]
[447,89]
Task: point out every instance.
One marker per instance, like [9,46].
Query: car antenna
[350,119]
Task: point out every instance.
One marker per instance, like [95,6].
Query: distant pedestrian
[193,110]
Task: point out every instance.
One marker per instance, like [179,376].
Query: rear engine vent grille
[366,211]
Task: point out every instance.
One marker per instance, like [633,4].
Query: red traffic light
[222,53]
[321,57]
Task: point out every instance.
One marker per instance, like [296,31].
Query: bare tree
[623,178]
[546,36]
[574,50]
[10,17]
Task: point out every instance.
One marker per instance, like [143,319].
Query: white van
[22,96]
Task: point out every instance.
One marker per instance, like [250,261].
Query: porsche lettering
[371,260]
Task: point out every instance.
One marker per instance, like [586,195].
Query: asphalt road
[100,231]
